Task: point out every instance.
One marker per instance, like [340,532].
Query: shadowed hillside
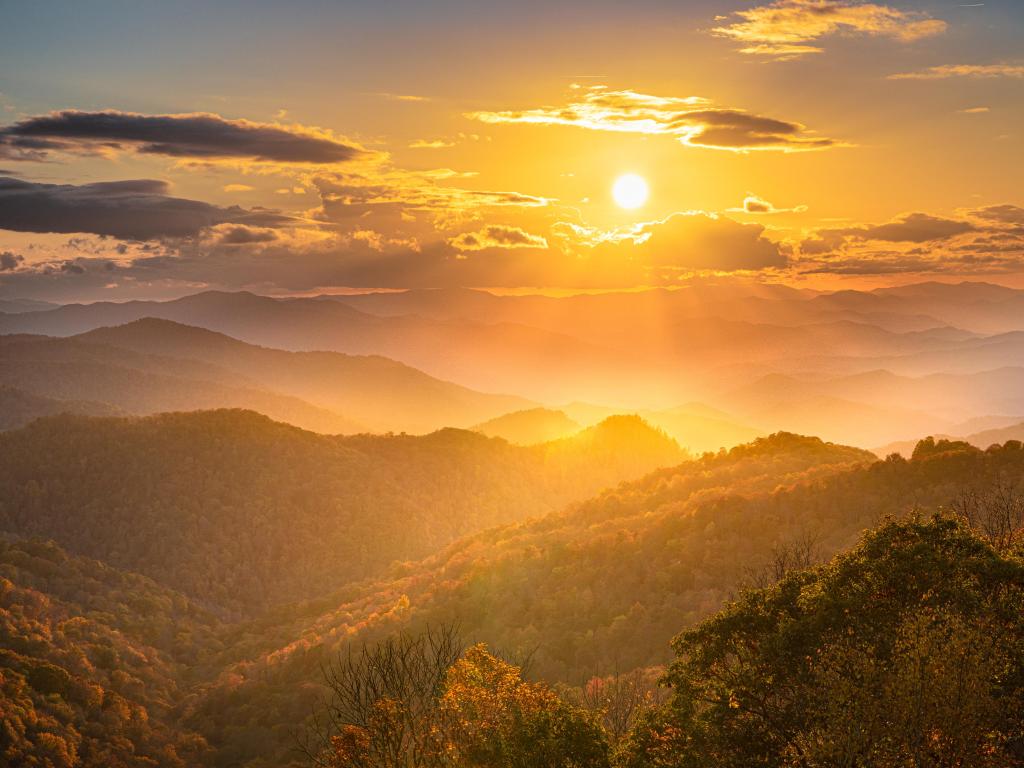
[243,513]
[377,392]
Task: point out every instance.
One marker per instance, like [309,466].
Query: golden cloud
[977,71]
[693,120]
[790,29]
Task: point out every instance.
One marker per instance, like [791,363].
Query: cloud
[237,234]
[975,71]
[692,120]
[435,144]
[139,209]
[403,97]
[989,241]
[683,243]
[916,228]
[197,136]
[237,188]
[790,29]
[9,260]
[497,236]
[1001,214]
[758,205]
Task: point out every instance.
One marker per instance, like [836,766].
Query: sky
[152,149]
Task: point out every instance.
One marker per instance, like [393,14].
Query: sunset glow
[493,383]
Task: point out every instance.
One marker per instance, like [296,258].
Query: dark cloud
[917,228]
[200,136]
[497,236]
[1001,214]
[733,129]
[989,241]
[132,210]
[241,235]
[9,260]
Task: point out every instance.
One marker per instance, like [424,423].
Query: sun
[629,191]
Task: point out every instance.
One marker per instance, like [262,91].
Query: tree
[383,710]
[498,719]
[907,651]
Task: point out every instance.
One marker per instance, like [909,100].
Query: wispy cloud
[977,71]
[402,97]
[431,144]
[790,29]
[693,120]
[203,136]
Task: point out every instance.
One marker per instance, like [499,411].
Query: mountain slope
[383,394]
[536,425]
[18,408]
[141,383]
[610,581]
[243,513]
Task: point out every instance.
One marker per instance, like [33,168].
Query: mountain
[124,381]
[484,356]
[17,306]
[878,406]
[18,408]
[536,425]
[242,513]
[649,348]
[695,426]
[377,392]
[982,439]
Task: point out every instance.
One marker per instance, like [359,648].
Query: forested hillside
[273,528]
[905,651]
[607,583]
[242,513]
[94,664]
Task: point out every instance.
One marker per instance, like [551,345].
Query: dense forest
[242,513]
[218,651]
[94,662]
[905,651]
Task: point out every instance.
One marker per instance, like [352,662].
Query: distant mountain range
[862,367]
[150,366]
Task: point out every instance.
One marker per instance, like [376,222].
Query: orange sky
[821,143]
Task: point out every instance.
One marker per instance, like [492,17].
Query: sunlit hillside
[241,513]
